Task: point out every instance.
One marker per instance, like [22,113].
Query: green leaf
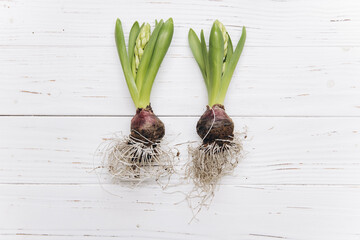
[120,44]
[161,47]
[229,55]
[195,47]
[216,55]
[134,32]
[231,68]
[206,60]
[146,58]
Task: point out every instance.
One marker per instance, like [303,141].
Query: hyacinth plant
[140,155]
[220,149]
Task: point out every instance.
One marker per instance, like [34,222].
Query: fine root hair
[207,165]
[134,160]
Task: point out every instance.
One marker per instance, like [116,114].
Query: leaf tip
[243,32]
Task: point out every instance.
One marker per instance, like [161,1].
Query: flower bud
[141,41]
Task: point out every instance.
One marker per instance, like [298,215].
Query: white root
[129,159]
[206,167]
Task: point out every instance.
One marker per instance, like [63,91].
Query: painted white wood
[279,212]
[269,23]
[280,150]
[296,88]
[46,70]
[297,81]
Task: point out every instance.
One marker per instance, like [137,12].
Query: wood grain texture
[267,82]
[277,212]
[280,150]
[269,23]
[296,89]
[60,58]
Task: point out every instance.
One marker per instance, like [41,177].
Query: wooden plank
[237,211]
[268,82]
[279,150]
[299,180]
[269,23]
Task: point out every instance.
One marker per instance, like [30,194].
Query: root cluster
[207,165]
[131,159]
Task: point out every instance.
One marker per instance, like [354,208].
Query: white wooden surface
[296,89]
